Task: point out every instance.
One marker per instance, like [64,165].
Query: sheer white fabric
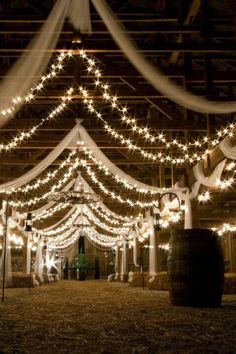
[152,249]
[65,217]
[8,264]
[116,171]
[32,64]
[211,180]
[135,247]
[50,204]
[155,77]
[227,149]
[41,166]
[79,13]
[38,266]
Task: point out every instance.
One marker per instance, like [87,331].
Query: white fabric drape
[38,267]
[116,171]
[227,149]
[211,180]
[32,64]
[152,249]
[188,212]
[50,204]
[79,14]
[41,166]
[155,77]
[61,220]
[135,249]
[8,265]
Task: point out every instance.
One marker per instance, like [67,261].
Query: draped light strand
[145,131]
[102,225]
[21,137]
[55,70]
[101,166]
[128,142]
[112,194]
[45,214]
[42,181]
[204,197]
[54,188]
[108,219]
[225,228]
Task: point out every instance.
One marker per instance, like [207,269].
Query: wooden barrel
[195,267]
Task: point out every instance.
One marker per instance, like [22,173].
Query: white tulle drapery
[65,217]
[155,77]
[34,61]
[38,266]
[228,149]
[7,244]
[50,204]
[211,180]
[116,171]
[41,166]
[135,247]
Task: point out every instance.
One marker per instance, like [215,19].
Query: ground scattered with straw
[100,317]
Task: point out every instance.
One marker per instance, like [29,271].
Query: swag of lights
[91,67]
[56,67]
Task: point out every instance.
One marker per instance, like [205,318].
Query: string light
[101,166]
[164,246]
[55,70]
[145,131]
[225,228]
[42,181]
[204,197]
[22,136]
[224,184]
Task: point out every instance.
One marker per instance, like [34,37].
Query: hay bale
[39,278]
[55,277]
[45,278]
[35,281]
[21,280]
[158,282]
[111,277]
[229,283]
[137,279]
[50,278]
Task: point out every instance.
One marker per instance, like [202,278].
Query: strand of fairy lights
[92,67]
[124,141]
[62,238]
[45,214]
[97,222]
[112,194]
[107,218]
[42,181]
[101,239]
[109,213]
[60,228]
[22,136]
[225,228]
[56,67]
[145,131]
[101,166]
[204,197]
[65,243]
[36,200]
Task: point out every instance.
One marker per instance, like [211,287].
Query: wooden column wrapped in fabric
[195,267]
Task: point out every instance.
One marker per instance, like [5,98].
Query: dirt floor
[100,317]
